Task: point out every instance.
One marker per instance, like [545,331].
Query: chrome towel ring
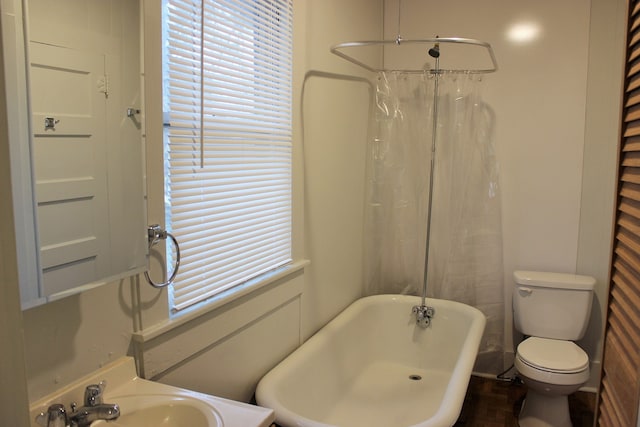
[156,233]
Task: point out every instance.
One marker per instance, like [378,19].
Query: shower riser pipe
[423,313]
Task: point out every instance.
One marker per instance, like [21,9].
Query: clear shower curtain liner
[465,256]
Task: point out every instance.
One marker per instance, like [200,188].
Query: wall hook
[50,123]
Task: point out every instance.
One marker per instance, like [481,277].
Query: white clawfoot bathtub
[372,366]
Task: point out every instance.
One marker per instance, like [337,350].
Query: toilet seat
[554,356]
[552,361]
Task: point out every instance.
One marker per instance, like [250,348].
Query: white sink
[162,411]
[146,403]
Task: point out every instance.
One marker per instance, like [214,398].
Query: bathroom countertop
[122,382]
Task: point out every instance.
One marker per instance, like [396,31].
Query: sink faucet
[94,409]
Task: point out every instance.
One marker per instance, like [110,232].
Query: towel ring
[156,233]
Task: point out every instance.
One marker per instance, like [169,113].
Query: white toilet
[552,310]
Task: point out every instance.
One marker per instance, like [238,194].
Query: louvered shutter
[620,385]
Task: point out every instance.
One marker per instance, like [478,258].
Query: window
[227,101]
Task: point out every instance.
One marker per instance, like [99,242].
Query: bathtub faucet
[423,314]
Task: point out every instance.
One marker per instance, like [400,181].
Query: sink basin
[162,411]
[145,403]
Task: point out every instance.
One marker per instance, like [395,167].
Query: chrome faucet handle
[56,416]
[93,393]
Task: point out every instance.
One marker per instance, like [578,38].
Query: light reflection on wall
[524,32]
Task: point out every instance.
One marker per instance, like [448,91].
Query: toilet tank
[552,305]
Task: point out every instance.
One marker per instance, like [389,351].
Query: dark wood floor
[492,403]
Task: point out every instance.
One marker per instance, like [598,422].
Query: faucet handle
[56,416]
[93,393]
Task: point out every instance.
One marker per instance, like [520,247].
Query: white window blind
[227,103]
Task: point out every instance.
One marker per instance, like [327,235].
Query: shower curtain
[465,255]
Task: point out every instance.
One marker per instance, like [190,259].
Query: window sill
[177,321]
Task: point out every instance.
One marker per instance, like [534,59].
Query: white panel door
[69,92]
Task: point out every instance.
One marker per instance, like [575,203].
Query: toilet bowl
[552,310]
[551,370]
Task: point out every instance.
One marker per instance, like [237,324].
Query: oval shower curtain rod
[337,50]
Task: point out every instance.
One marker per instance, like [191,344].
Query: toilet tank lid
[554,280]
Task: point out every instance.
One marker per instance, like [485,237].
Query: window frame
[276,270]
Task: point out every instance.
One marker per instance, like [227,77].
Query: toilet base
[543,410]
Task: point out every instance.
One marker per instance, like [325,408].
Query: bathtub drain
[415,377]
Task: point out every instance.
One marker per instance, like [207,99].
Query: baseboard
[593,385]
[508,369]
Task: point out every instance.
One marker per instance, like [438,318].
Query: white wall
[539,96]
[330,113]
[69,338]
[335,109]
[227,350]
[602,133]
[557,169]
